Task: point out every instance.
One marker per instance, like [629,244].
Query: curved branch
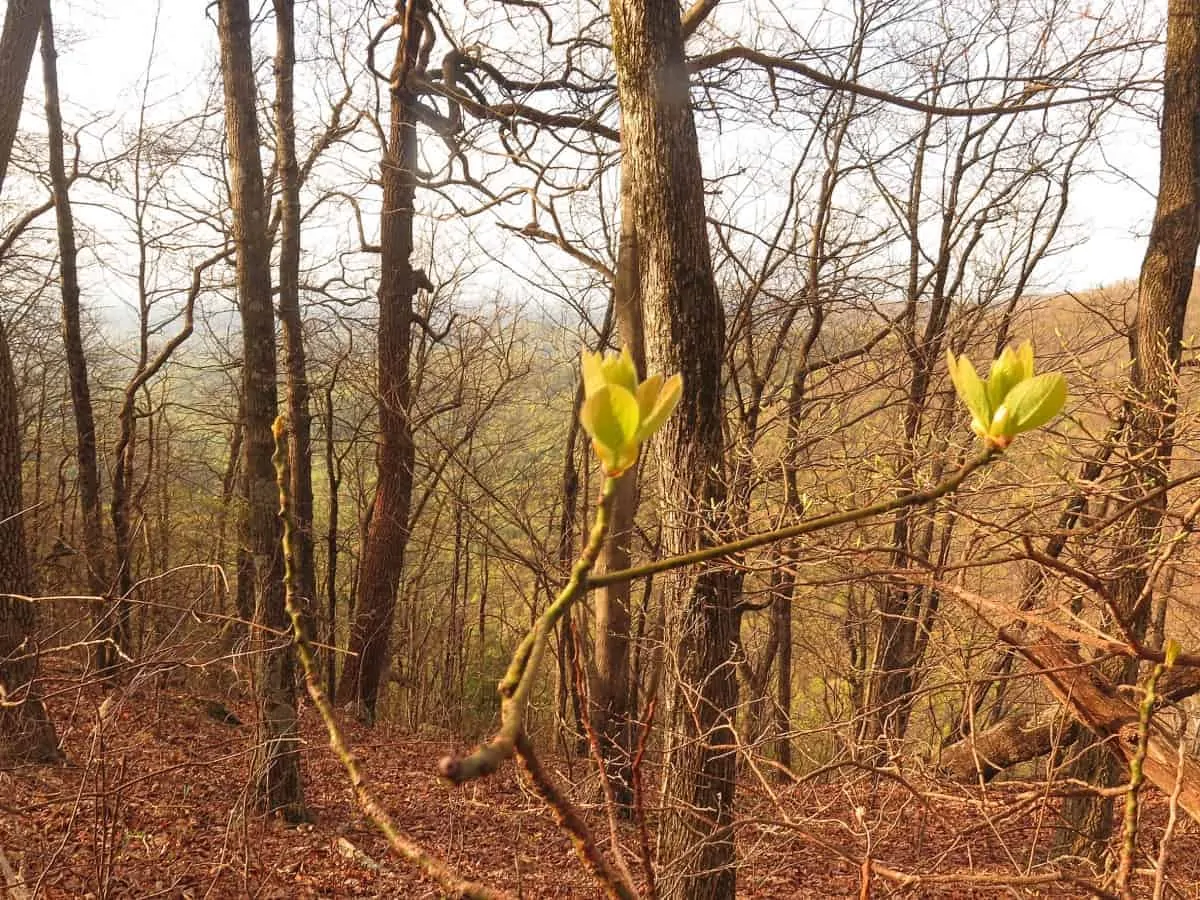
[503,112]
[832,82]
[915,498]
[518,681]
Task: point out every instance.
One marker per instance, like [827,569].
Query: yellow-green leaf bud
[1012,400]
[618,413]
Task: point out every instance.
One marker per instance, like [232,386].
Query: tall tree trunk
[895,661]
[333,472]
[612,694]
[229,484]
[117,627]
[21,21]
[684,325]
[26,732]
[77,374]
[122,502]
[566,685]
[1156,345]
[276,768]
[298,418]
[382,562]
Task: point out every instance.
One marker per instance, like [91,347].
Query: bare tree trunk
[382,562]
[902,604]
[781,622]
[612,695]
[333,472]
[1156,345]
[122,502]
[229,484]
[684,325]
[77,373]
[26,732]
[277,770]
[120,511]
[298,418]
[21,21]
[566,685]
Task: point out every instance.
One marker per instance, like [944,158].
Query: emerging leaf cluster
[1012,400]
[618,413]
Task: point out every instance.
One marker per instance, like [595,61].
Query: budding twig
[411,852]
[518,681]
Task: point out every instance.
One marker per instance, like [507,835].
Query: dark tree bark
[298,418]
[612,694]
[26,732]
[22,19]
[382,562]
[77,374]
[1156,345]
[333,472]
[684,325]
[276,769]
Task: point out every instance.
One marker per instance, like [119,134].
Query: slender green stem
[518,681]
[615,885]
[1136,777]
[916,498]
[416,855]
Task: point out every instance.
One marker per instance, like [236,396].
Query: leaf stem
[411,852]
[808,526]
[518,681]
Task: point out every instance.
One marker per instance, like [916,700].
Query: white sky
[103,57]
[1113,211]
[103,49]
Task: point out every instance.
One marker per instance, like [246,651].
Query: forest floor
[154,804]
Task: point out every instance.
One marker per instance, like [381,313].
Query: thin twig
[610,800]
[426,862]
[1136,777]
[639,805]
[569,819]
[518,681]
[808,526]
[1160,867]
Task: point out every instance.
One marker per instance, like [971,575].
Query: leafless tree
[277,770]
[25,730]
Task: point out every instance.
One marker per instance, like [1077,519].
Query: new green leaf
[1013,399]
[618,413]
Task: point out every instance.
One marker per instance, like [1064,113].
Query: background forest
[825,641]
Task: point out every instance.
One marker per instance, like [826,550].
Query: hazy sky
[103,59]
[103,49]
